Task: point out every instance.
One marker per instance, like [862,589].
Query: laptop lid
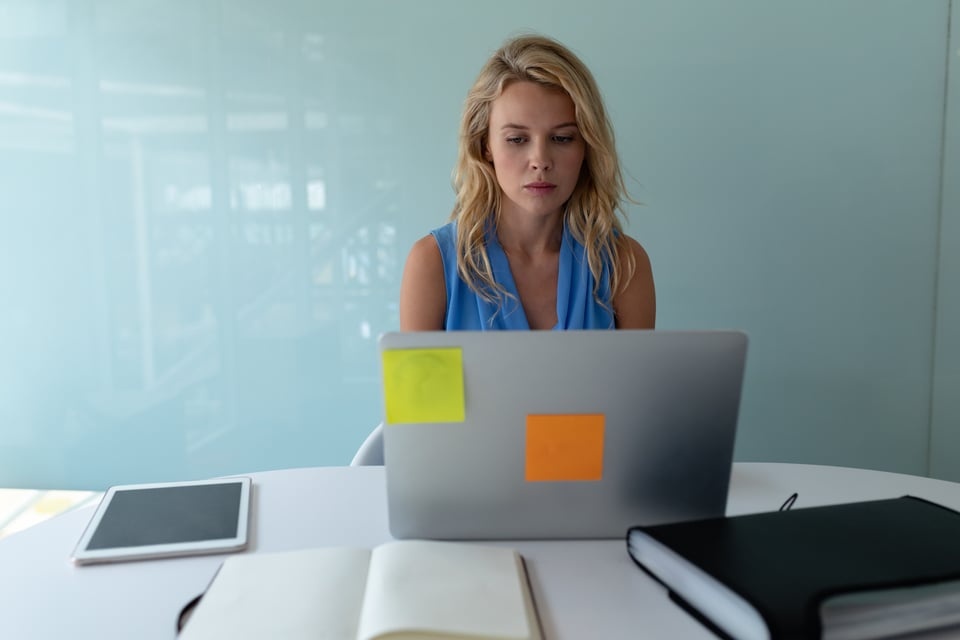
[557,434]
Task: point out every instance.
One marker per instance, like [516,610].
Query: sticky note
[564,447]
[423,385]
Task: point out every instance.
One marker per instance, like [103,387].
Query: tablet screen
[165,519]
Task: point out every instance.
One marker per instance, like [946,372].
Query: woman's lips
[540,188]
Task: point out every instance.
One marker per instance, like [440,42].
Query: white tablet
[140,521]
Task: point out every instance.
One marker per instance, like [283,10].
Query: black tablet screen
[164,515]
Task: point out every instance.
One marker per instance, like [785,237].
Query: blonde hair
[590,213]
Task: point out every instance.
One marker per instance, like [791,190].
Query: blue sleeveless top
[577,308]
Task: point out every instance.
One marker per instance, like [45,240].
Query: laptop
[557,434]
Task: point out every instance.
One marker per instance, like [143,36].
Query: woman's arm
[423,293]
[635,307]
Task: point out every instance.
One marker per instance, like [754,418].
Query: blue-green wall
[206,207]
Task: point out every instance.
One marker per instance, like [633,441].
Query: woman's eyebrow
[511,125]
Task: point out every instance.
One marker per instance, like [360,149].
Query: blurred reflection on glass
[201,254]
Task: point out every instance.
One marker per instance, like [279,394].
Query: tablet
[159,520]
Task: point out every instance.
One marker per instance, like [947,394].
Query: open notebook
[574,434]
[401,590]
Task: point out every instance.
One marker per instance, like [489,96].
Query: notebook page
[454,590]
[294,595]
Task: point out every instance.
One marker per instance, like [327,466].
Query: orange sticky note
[564,447]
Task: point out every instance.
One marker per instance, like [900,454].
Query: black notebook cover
[785,563]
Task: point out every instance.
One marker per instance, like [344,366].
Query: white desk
[584,589]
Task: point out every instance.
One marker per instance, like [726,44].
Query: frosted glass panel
[207,206]
[945,423]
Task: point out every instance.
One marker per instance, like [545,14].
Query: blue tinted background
[206,208]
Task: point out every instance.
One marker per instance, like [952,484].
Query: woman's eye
[563,139]
[515,140]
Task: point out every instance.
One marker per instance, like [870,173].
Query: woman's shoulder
[635,303]
[422,288]
[630,247]
[445,233]
[425,250]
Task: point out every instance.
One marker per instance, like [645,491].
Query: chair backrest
[371,451]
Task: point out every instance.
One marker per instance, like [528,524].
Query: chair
[371,451]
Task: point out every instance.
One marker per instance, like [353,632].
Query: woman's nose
[540,159]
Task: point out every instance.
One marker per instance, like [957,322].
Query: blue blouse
[577,308]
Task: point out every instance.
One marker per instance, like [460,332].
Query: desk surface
[584,589]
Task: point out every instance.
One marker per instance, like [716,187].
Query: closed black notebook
[767,574]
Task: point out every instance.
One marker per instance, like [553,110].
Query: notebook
[572,434]
[872,569]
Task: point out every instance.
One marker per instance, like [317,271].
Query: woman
[534,241]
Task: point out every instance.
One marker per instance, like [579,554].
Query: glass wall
[206,208]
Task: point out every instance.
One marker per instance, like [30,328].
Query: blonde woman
[534,240]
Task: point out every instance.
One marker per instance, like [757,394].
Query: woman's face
[535,147]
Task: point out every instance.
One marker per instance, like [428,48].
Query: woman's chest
[537,288]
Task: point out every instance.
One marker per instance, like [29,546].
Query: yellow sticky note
[423,385]
[564,447]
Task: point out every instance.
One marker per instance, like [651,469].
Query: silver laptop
[557,434]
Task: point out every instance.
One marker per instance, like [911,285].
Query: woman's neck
[530,237]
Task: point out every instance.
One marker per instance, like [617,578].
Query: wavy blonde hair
[590,213]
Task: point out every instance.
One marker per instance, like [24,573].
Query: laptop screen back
[574,434]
